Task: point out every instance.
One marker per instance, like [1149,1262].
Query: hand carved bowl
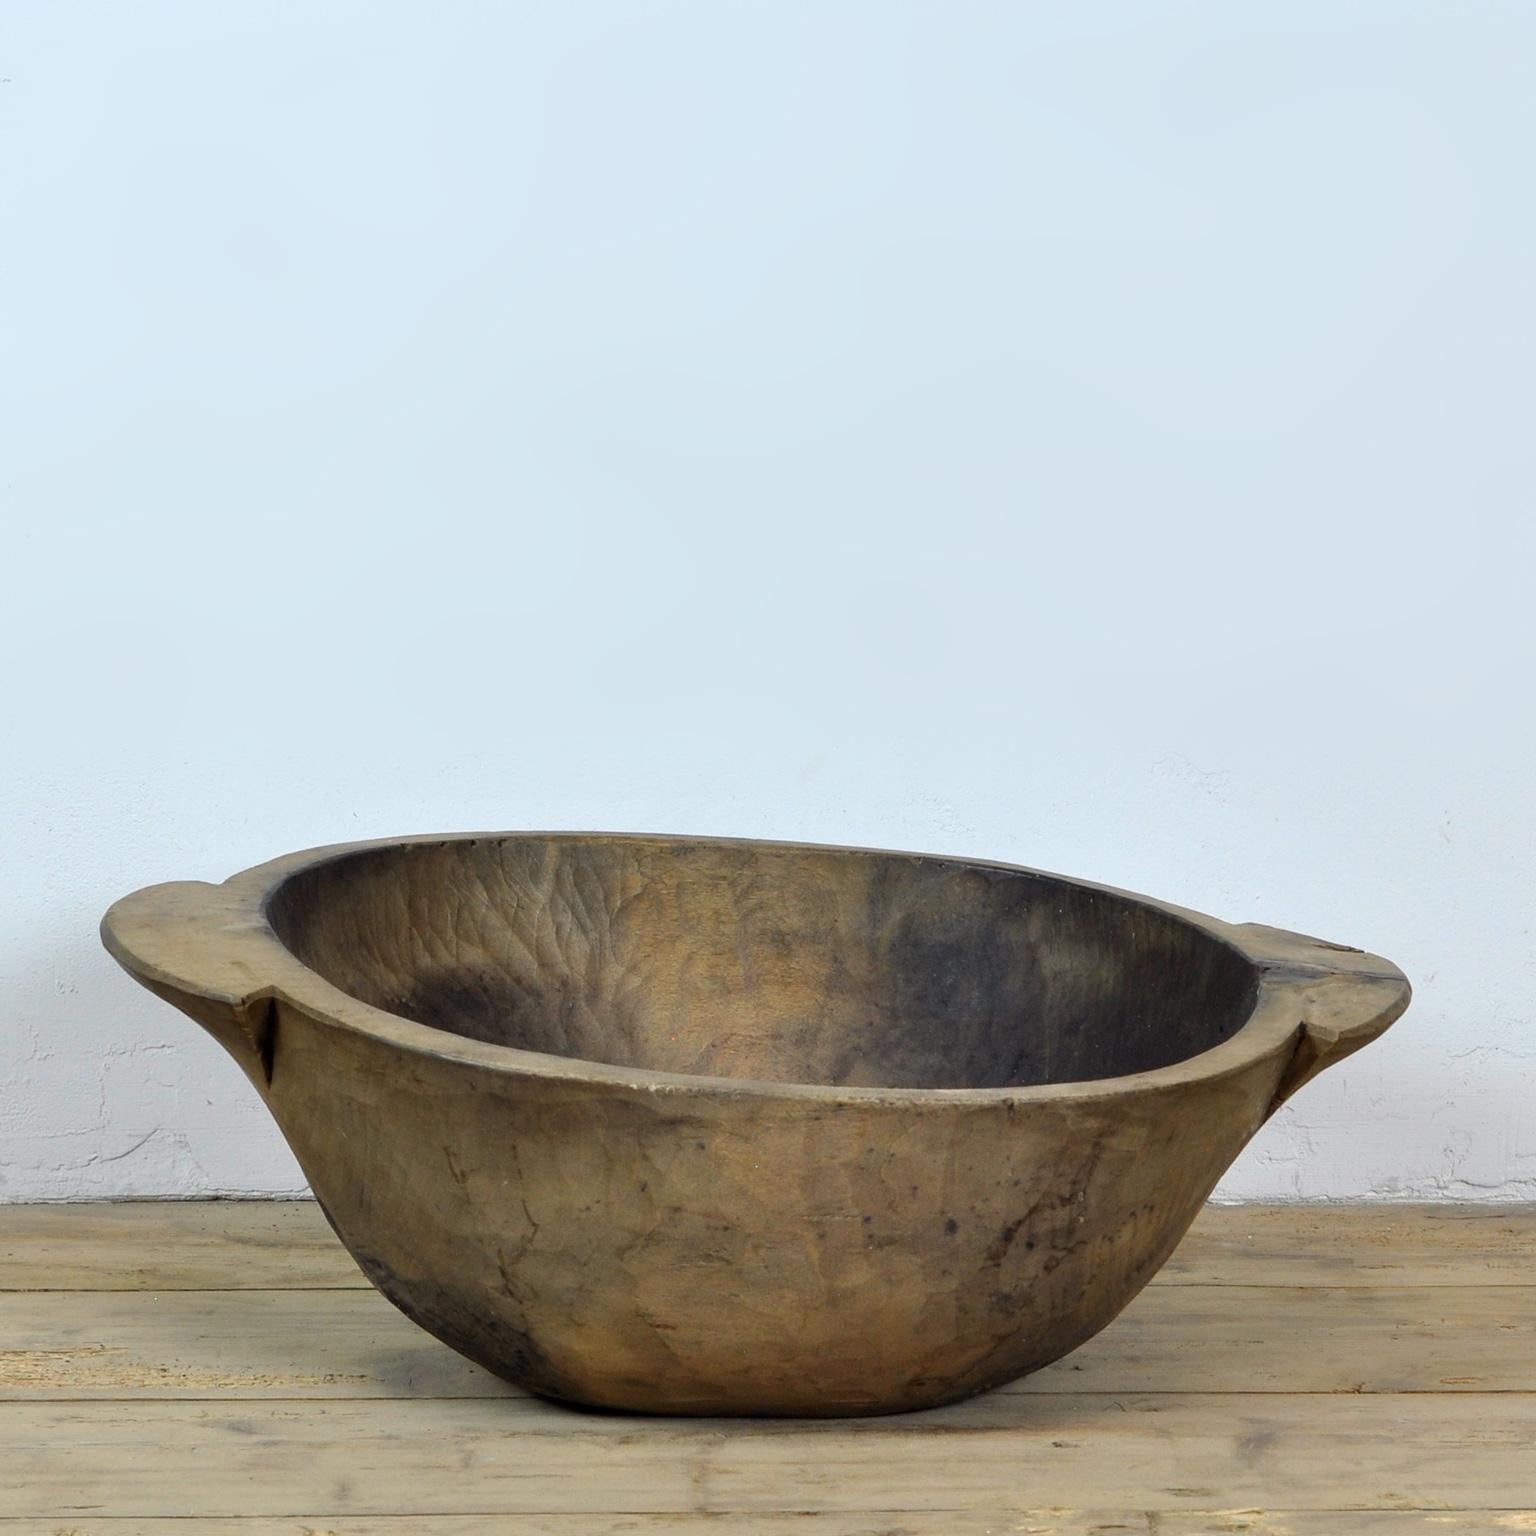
[713,1127]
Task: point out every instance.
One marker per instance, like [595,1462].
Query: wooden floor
[168,1370]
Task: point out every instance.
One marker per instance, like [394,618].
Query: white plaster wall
[1093,436]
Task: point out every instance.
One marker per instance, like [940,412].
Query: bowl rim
[231,922]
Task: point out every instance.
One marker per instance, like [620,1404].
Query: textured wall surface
[1092,436]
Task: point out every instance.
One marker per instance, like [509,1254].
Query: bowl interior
[777,963]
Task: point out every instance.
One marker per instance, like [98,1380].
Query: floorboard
[222,1368]
[337,1344]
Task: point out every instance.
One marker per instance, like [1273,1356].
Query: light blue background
[1096,435]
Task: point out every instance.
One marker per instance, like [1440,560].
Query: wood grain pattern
[772,962]
[1365,1245]
[1000,1522]
[348,1344]
[261,1244]
[173,1245]
[132,1409]
[523,1455]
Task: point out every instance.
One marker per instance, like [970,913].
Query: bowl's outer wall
[719,1253]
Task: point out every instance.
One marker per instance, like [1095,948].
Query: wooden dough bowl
[712,1127]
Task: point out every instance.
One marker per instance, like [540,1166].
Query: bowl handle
[1342,998]
[202,951]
